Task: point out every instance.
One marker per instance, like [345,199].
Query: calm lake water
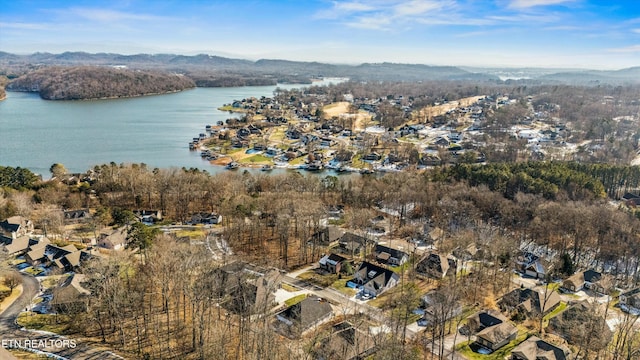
[154,130]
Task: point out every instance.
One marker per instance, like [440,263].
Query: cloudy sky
[542,33]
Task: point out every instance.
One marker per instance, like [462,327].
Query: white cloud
[626,49]
[108,16]
[24,26]
[637,31]
[523,4]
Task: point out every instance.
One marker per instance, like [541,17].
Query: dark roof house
[390,256]
[530,301]
[491,328]
[332,263]
[327,236]
[298,318]
[374,279]
[436,266]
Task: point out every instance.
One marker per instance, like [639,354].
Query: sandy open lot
[342,109]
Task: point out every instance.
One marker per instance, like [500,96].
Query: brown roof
[70,290]
[19,244]
[534,348]
[497,333]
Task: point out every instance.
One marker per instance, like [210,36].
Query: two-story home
[374,279]
[390,256]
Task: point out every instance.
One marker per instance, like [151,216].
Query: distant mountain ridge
[212,70]
[203,63]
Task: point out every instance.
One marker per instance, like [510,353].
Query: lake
[154,130]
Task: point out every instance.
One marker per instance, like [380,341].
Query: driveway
[11,333]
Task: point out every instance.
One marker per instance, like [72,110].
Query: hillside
[93,82]
[210,70]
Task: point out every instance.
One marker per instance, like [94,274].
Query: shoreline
[104,98]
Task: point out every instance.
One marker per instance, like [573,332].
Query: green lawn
[341,285]
[294,300]
[15,262]
[258,158]
[32,271]
[45,322]
[554,313]
[287,287]
[193,234]
[400,269]
[298,161]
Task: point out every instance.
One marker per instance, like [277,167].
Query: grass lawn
[357,162]
[499,354]
[298,161]
[555,312]
[287,287]
[278,134]
[317,279]
[400,269]
[234,151]
[294,300]
[52,280]
[341,285]
[32,271]
[45,322]
[15,262]
[257,158]
[192,234]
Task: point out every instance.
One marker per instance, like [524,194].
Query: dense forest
[159,303]
[90,82]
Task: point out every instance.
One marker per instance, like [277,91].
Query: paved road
[11,333]
[337,297]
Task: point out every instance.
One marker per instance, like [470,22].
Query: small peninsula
[98,82]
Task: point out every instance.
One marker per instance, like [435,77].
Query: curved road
[11,333]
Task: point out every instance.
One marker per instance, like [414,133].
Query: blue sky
[517,33]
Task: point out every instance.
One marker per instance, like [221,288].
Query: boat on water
[366,171]
[266,167]
[205,153]
[232,165]
[315,166]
